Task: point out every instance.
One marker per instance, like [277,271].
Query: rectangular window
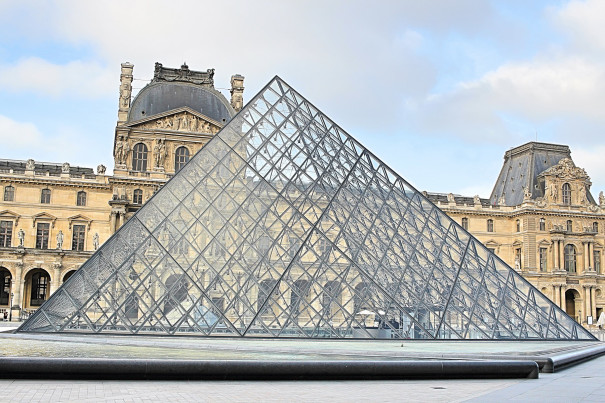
[45,196]
[543,255]
[6,234]
[490,225]
[465,223]
[597,261]
[42,235]
[79,235]
[542,224]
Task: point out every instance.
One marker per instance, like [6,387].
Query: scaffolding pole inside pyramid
[284,225]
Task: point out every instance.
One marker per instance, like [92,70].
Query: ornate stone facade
[54,216]
[554,236]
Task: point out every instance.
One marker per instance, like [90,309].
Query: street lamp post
[10,312]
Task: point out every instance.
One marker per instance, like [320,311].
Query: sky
[439,90]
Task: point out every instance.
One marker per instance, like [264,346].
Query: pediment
[7,214]
[79,218]
[44,217]
[182,119]
[544,243]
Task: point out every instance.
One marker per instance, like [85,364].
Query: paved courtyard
[582,383]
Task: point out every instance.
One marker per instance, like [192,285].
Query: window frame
[566,194]
[543,258]
[9,190]
[464,223]
[570,258]
[45,196]
[81,197]
[180,158]
[6,237]
[137,194]
[140,153]
[78,237]
[490,225]
[42,235]
[542,224]
[39,288]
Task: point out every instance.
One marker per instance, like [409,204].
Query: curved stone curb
[102,368]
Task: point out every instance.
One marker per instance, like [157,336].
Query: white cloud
[18,135]
[584,22]
[75,79]
[518,98]
[593,160]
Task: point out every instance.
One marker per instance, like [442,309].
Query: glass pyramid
[283,225]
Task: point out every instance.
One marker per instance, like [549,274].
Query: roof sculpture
[284,225]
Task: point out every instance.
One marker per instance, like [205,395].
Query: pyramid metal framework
[283,225]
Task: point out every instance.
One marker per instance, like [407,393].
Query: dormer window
[566,193]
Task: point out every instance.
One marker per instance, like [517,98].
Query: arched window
[569,226]
[570,258]
[45,196]
[299,293]
[181,157]
[595,227]
[137,196]
[9,193]
[330,297]
[518,225]
[566,193]
[139,157]
[490,225]
[81,198]
[542,224]
[264,291]
[5,286]
[39,290]
[465,223]
[176,291]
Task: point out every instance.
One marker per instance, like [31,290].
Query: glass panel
[284,226]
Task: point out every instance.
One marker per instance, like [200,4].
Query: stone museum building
[541,218]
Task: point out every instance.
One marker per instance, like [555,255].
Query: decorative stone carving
[582,194]
[21,237]
[601,199]
[477,200]
[65,168]
[183,74]
[60,238]
[567,170]
[183,122]
[450,198]
[121,152]
[526,193]
[95,241]
[502,200]
[159,152]
[101,169]
[30,165]
[553,192]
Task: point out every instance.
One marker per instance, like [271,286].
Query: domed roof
[163,96]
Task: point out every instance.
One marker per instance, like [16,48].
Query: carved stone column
[586,259]
[555,249]
[593,303]
[56,277]
[17,286]
[590,256]
[562,306]
[587,308]
[112,222]
[556,295]
[561,255]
